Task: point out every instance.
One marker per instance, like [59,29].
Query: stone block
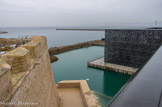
[41,39]
[34,47]
[17,58]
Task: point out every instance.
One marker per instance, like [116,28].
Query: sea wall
[57,50]
[27,79]
[61,49]
[130,47]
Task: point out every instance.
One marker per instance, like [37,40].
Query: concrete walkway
[70,97]
[99,63]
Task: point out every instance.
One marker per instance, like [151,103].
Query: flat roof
[134,28]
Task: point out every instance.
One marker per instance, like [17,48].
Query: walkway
[99,63]
[75,93]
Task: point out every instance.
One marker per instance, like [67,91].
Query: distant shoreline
[2,32]
[80,29]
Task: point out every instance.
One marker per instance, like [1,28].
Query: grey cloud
[78,12]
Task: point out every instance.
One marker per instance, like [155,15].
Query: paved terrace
[70,97]
[99,63]
[75,93]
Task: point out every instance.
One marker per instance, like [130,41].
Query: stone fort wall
[131,47]
[26,77]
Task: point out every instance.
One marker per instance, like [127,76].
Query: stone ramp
[99,63]
[70,97]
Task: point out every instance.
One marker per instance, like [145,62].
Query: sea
[54,37]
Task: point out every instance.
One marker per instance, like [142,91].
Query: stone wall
[29,78]
[131,47]
[19,59]
[5,82]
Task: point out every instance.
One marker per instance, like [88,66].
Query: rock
[53,58]
[1,32]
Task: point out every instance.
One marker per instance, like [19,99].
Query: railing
[144,88]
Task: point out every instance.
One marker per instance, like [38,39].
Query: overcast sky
[78,12]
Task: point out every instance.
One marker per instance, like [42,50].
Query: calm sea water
[72,65]
[54,37]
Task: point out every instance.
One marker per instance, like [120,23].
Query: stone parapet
[34,47]
[18,59]
[41,39]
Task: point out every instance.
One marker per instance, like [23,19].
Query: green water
[72,65]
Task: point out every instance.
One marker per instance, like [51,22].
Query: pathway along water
[72,65]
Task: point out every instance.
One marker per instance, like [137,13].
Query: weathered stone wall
[131,47]
[39,86]
[5,82]
[19,59]
[30,78]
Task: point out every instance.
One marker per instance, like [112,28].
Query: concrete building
[127,50]
[131,47]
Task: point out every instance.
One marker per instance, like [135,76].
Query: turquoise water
[72,65]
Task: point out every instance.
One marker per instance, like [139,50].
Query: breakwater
[57,50]
[80,29]
[61,49]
